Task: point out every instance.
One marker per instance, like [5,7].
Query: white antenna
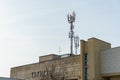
[76,42]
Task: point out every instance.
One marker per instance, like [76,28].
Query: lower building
[96,61]
[4,78]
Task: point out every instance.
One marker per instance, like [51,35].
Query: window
[86,59]
[86,56]
[39,73]
[86,63]
[33,74]
[86,71]
[86,74]
[86,66]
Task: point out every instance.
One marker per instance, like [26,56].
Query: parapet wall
[48,57]
[68,67]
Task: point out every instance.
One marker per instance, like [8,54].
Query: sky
[32,28]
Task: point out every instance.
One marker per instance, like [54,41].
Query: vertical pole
[71,47]
[71,19]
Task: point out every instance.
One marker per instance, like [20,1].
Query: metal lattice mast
[71,19]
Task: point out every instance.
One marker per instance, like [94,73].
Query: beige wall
[93,47]
[48,57]
[68,67]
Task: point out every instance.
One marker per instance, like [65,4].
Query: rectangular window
[86,63]
[33,74]
[86,66]
[86,71]
[86,56]
[86,78]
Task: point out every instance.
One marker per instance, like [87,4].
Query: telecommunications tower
[71,19]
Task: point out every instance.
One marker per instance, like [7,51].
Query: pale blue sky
[30,28]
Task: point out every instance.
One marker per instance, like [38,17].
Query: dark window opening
[86,56]
[33,74]
[86,66]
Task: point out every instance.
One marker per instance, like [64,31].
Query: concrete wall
[93,47]
[48,57]
[110,61]
[68,67]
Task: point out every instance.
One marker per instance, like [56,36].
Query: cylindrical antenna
[76,42]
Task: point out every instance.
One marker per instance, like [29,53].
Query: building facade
[96,61]
[50,67]
[91,60]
